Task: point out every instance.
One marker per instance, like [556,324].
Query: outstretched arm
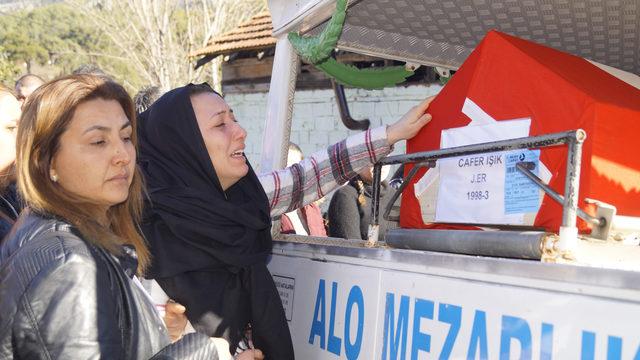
[320,173]
[323,171]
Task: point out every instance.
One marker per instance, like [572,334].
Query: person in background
[146,97]
[350,207]
[26,85]
[69,268]
[9,117]
[306,220]
[90,69]
[208,220]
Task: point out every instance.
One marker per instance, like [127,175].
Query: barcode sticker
[521,195]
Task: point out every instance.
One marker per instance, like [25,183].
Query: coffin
[511,78]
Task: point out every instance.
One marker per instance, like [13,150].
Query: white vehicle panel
[349,311]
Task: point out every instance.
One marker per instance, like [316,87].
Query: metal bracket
[606,212]
[409,66]
[602,220]
[445,73]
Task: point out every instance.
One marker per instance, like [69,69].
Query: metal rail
[398,192]
[573,139]
[522,167]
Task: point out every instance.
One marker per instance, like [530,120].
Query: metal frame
[573,139]
[277,127]
[405,182]
[523,168]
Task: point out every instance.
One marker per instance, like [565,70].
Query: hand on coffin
[409,125]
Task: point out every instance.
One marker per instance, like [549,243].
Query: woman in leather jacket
[68,269]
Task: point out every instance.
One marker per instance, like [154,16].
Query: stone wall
[316,118]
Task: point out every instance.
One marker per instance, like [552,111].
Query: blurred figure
[90,69]
[397,178]
[9,117]
[26,85]
[350,207]
[145,97]
[308,219]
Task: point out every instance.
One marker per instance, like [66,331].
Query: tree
[8,69]
[156,36]
[137,42]
[56,36]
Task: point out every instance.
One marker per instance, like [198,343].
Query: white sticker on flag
[472,187]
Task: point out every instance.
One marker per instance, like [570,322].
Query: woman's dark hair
[146,97]
[196,89]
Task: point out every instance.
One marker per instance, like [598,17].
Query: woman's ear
[52,172]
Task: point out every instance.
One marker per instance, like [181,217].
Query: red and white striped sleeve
[323,171]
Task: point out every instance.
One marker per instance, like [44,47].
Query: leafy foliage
[8,70]
[373,78]
[316,49]
[58,38]
[137,42]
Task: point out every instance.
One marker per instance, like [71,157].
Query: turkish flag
[512,78]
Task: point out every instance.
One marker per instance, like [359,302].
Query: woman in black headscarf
[208,222]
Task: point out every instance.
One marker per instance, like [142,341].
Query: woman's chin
[244,170]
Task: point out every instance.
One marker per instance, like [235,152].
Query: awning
[443,33]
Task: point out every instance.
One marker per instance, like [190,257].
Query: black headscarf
[209,247]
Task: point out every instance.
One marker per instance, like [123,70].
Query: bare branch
[150,37]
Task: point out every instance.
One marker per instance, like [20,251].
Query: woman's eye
[11,128]
[220,125]
[98,142]
[127,138]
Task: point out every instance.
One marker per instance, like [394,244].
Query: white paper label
[286,289]
[472,188]
[484,188]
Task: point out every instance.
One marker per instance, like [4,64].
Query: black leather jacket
[9,208]
[63,298]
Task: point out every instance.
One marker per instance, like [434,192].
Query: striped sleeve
[320,173]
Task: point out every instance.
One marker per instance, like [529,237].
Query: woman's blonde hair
[45,118]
